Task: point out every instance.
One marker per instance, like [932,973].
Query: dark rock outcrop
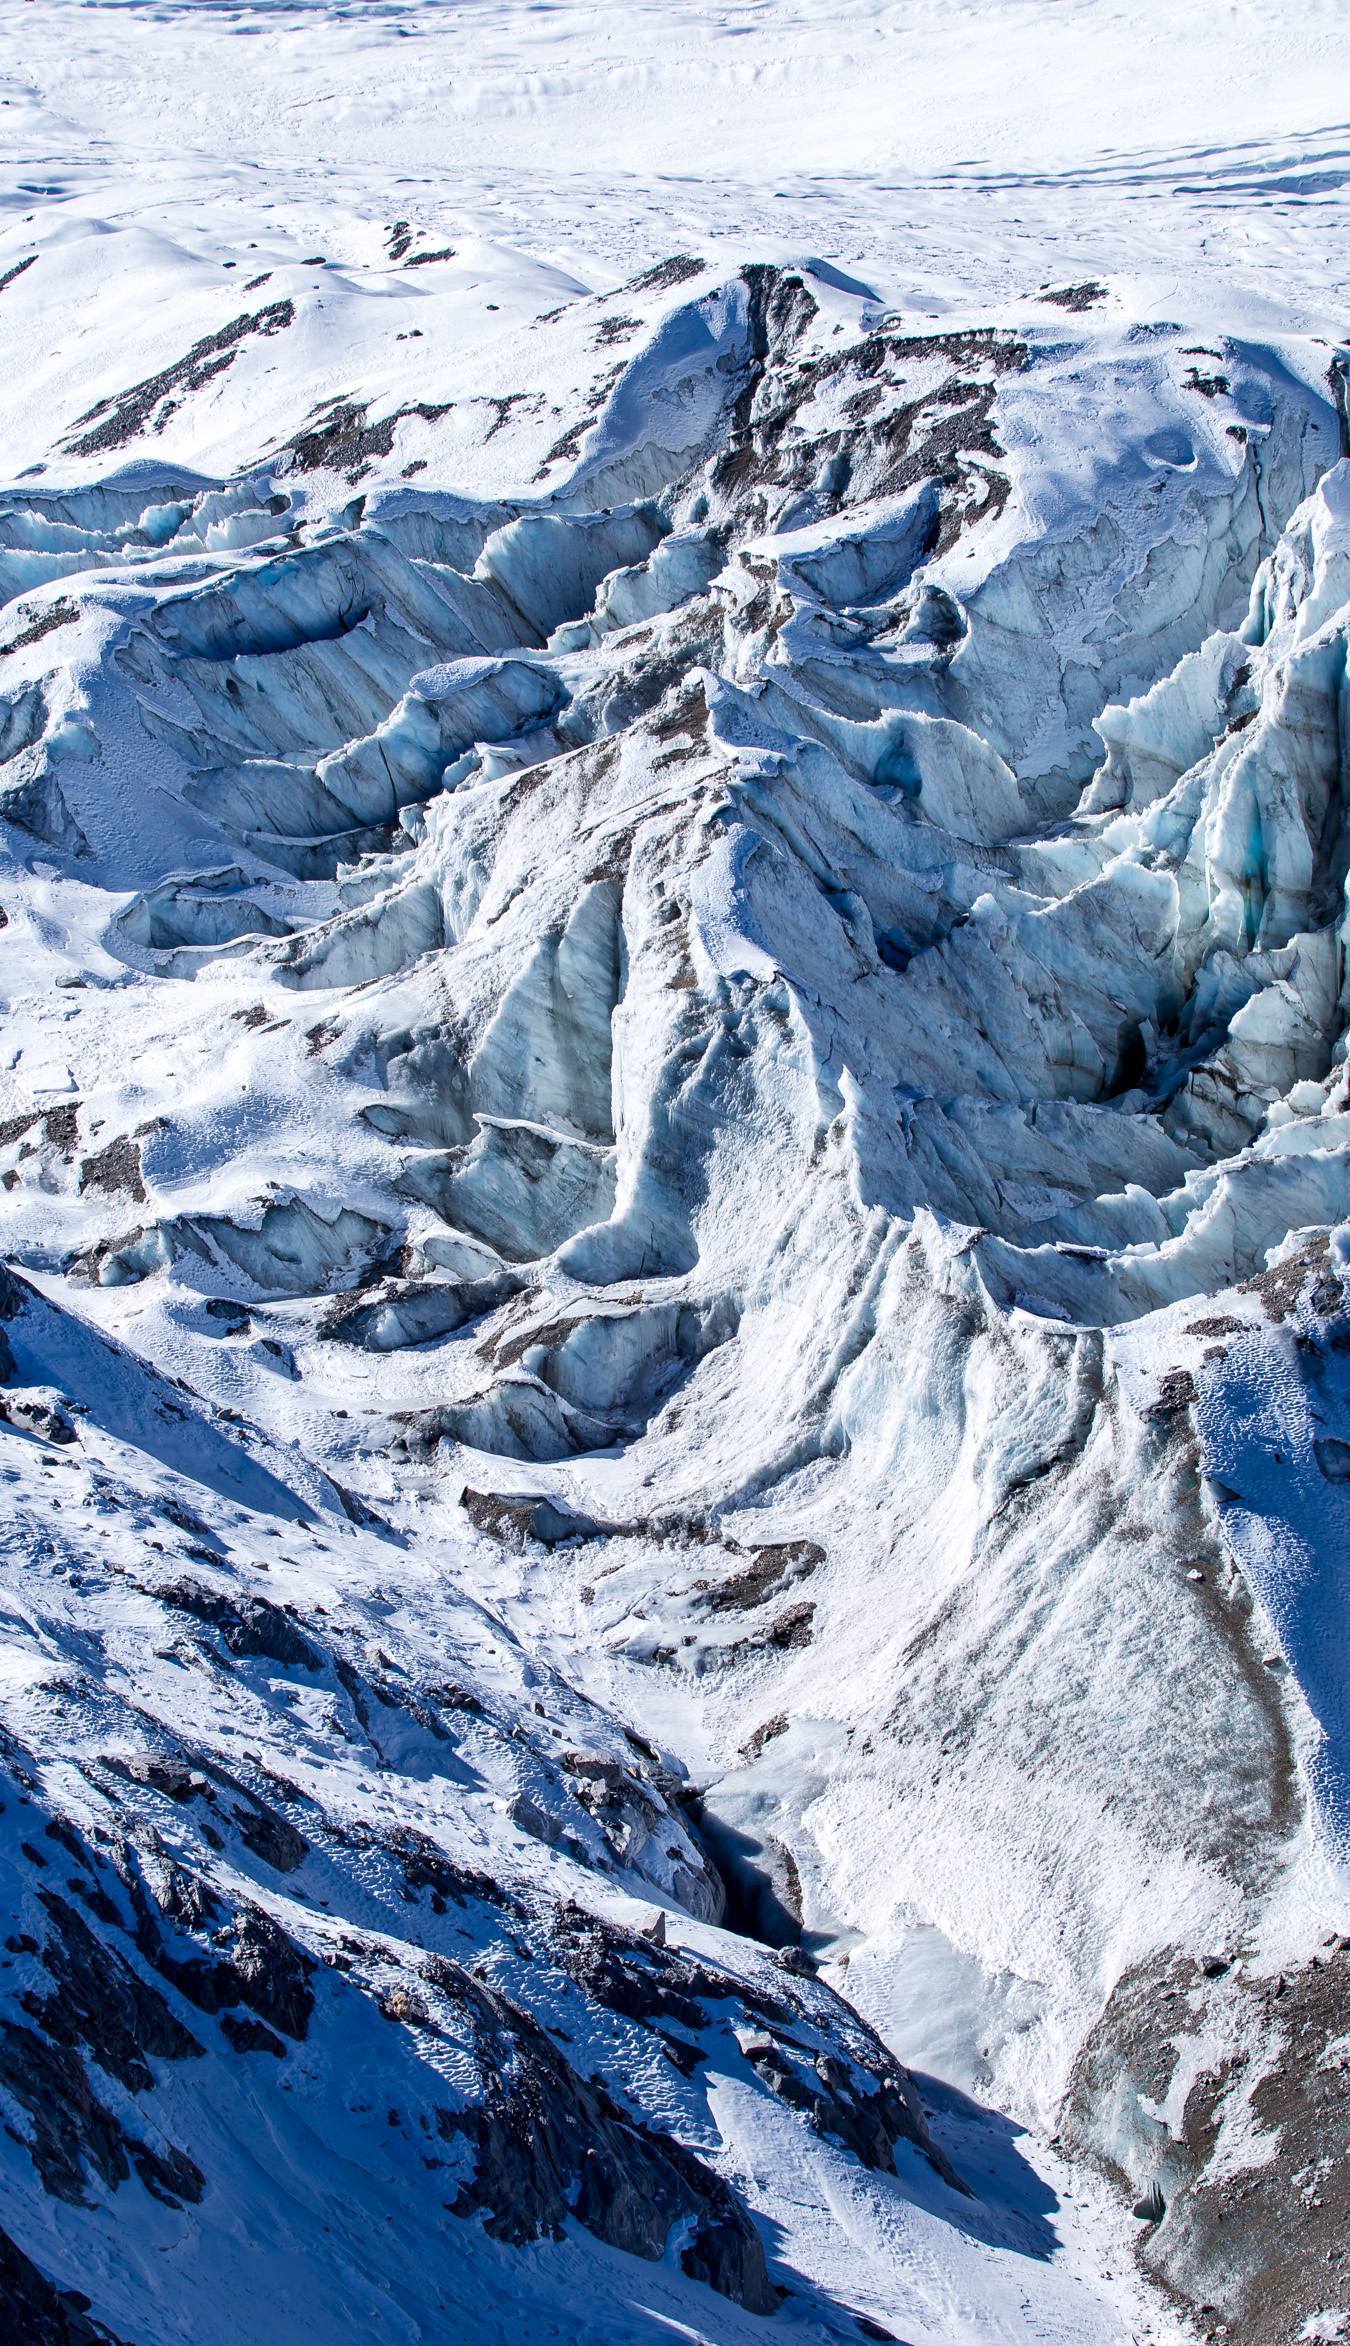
[39,2313]
[249,1626]
[549,2144]
[1253,2245]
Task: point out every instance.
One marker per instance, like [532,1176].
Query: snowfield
[674,1123]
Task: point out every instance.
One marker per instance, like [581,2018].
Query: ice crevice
[756,1030]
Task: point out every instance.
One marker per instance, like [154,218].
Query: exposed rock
[72,2131]
[1249,2234]
[770,1568]
[98,2000]
[514,1520]
[249,1626]
[270,1836]
[547,2144]
[50,1420]
[115,1170]
[116,421]
[250,2036]
[272,1973]
[42,2314]
[1075,297]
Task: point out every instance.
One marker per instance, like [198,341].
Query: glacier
[674,1136]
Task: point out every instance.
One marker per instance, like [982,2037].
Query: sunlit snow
[674,1130]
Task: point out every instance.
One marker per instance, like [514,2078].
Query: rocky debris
[49,1419]
[860,2096]
[116,421]
[889,444]
[630,1974]
[1305,1269]
[359,1511]
[568,445]
[514,1520]
[58,1129]
[628,1811]
[767,1732]
[869,2116]
[115,1170]
[341,440]
[1075,297]
[183,1898]
[679,269]
[796,1958]
[1176,1392]
[163,1772]
[787,1633]
[1257,2238]
[47,619]
[261,1828]
[61,1127]
[427,1704]
[769,1570]
[529,1816]
[425,1866]
[1208,386]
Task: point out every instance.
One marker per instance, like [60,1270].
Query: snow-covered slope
[674,1140]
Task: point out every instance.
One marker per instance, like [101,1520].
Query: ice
[673,1129]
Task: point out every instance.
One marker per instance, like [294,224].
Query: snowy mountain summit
[674,1149]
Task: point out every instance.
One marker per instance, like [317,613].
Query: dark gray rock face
[272,1975]
[549,2144]
[39,2313]
[72,2133]
[98,2000]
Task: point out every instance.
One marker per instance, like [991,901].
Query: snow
[672,732]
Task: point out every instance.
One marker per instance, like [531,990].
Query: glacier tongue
[712,1065]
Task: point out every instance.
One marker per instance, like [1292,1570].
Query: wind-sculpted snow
[737,1040]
